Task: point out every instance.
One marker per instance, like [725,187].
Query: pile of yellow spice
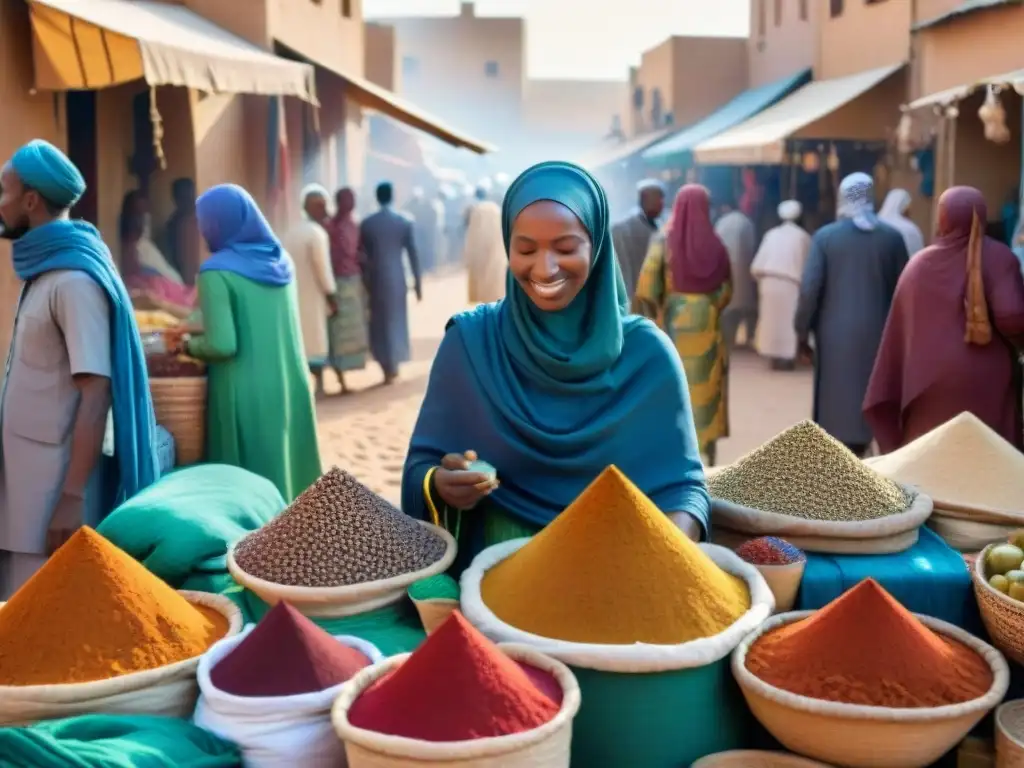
[613,569]
[93,613]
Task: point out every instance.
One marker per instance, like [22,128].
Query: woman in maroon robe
[951,340]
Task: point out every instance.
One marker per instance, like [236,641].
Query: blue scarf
[552,398]
[77,245]
[239,237]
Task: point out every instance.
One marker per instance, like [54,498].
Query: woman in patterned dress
[685,284]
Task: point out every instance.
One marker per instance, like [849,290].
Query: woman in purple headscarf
[260,410]
[950,343]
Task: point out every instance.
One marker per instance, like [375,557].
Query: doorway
[82,150]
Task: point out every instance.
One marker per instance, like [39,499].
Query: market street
[368,431]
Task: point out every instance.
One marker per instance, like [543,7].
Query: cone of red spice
[865,648]
[286,654]
[457,686]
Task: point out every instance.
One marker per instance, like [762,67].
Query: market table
[929,578]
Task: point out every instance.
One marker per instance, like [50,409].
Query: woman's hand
[457,486]
[686,523]
[175,340]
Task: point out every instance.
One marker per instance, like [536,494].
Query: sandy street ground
[367,432]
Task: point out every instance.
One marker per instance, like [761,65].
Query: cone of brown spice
[338,533]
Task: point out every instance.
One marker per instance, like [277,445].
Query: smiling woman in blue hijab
[553,383]
[260,410]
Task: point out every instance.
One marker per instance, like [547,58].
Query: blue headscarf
[239,237]
[48,171]
[552,398]
[77,245]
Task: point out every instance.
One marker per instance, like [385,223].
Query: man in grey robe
[845,296]
[632,235]
[386,237]
[736,232]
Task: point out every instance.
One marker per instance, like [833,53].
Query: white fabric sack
[274,731]
[634,659]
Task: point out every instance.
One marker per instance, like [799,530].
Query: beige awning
[949,96]
[378,99]
[90,44]
[761,140]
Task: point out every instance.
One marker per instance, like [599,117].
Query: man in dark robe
[845,296]
[386,237]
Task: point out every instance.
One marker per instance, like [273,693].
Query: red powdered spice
[457,686]
[286,655]
[866,648]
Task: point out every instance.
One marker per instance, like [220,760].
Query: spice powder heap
[93,613]
[286,654]
[805,472]
[336,533]
[613,569]
[866,648]
[457,686]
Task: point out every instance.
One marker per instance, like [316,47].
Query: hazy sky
[572,39]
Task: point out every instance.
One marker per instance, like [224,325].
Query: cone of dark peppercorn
[338,533]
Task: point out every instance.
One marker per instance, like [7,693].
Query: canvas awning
[623,151]
[958,93]
[677,148]
[761,140]
[373,97]
[90,44]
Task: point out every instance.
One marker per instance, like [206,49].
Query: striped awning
[91,44]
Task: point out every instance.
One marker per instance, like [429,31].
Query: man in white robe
[778,268]
[894,213]
[310,248]
[484,250]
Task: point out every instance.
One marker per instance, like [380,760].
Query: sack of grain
[804,484]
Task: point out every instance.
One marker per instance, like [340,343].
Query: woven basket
[860,736]
[333,602]
[1002,615]
[543,747]
[1010,735]
[180,406]
[784,582]
[750,758]
[434,612]
[879,536]
[169,691]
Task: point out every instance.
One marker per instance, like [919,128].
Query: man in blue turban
[76,360]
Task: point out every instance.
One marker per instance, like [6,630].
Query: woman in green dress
[260,413]
[685,282]
[552,384]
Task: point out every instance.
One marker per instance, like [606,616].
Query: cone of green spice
[805,472]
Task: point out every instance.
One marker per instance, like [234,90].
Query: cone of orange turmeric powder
[612,569]
[94,620]
[865,648]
